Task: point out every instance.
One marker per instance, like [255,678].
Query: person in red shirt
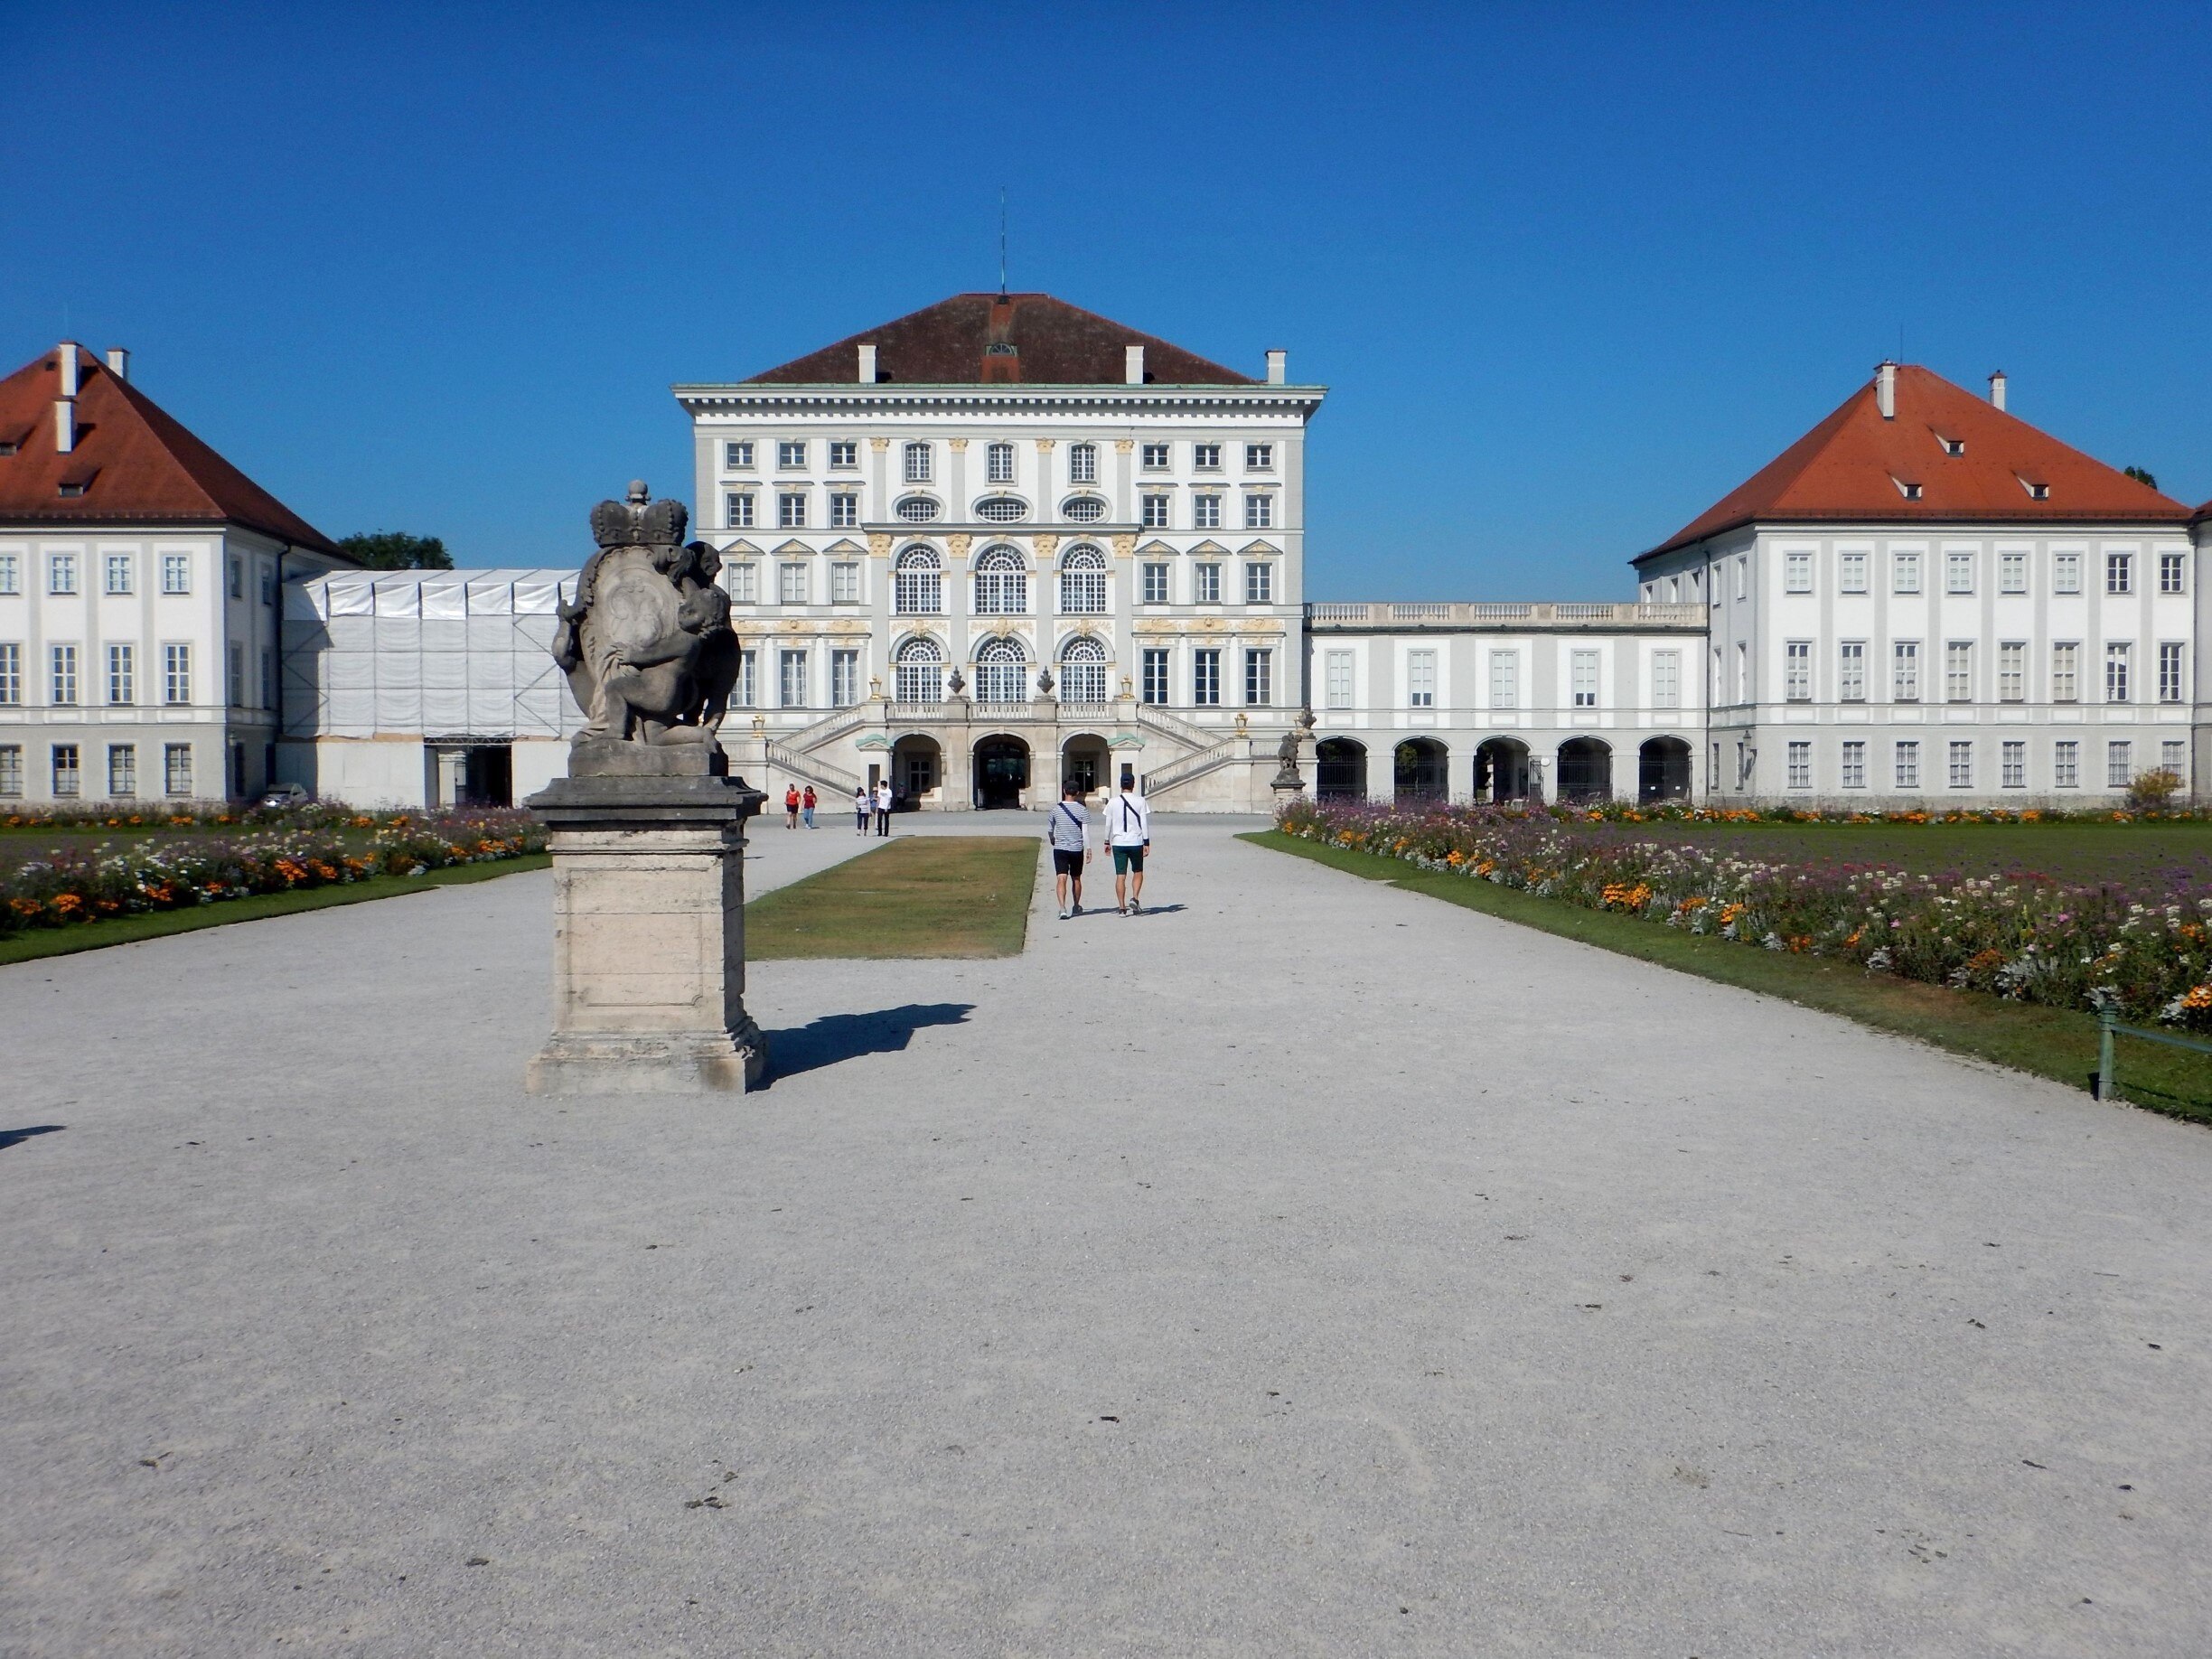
[806,806]
[791,806]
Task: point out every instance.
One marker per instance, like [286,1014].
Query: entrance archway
[1502,771]
[1002,773]
[1663,770]
[1340,769]
[1086,762]
[1584,770]
[917,768]
[1419,770]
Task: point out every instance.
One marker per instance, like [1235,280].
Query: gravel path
[1309,1269]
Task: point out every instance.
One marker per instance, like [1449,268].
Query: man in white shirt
[1129,832]
[882,807]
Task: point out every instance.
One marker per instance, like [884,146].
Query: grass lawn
[2082,851]
[920,896]
[39,941]
[2054,1043]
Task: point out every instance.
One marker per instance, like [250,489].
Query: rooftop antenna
[1002,223]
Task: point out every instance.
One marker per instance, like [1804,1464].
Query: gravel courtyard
[1307,1268]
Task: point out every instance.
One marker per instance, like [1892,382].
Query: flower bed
[2140,947]
[133,878]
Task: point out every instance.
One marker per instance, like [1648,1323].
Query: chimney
[65,425]
[1885,388]
[1132,365]
[67,351]
[118,362]
[1279,362]
[867,362]
[1997,386]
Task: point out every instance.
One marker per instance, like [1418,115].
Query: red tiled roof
[1851,465]
[965,341]
[136,464]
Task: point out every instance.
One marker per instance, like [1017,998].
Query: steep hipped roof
[134,464]
[991,339]
[1855,465]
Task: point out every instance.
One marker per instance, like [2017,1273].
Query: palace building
[1003,541]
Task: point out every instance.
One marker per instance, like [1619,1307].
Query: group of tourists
[1128,837]
[867,802]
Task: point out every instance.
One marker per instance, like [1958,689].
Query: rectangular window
[1582,678]
[2117,657]
[1259,583]
[1851,672]
[266,573]
[11,581]
[2119,573]
[790,511]
[2173,757]
[736,455]
[1205,677]
[745,583]
[917,588]
[844,511]
[2012,671]
[61,573]
[1259,457]
[2118,764]
[2170,565]
[1743,673]
[917,463]
[122,674]
[1420,678]
[1505,680]
[1958,571]
[1797,572]
[845,582]
[1259,678]
[1155,456]
[176,675]
[177,573]
[63,681]
[844,678]
[1800,766]
[844,454]
[1666,680]
[2012,764]
[1206,581]
[2066,764]
[11,674]
[118,573]
[1905,573]
[238,676]
[791,583]
[792,679]
[1905,671]
[1156,584]
[2066,573]
[790,453]
[1907,760]
[1155,513]
[1851,568]
[11,769]
[1958,672]
[1258,511]
[2065,673]
[2169,671]
[737,509]
[238,576]
[1743,574]
[1082,464]
[123,769]
[268,679]
[66,778]
[1336,679]
[1206,511]
[999,463]
[748,692]
[1797,670]
[1854,763]
[1206,457]
[1154,665]
[1961,764]
[2012,572]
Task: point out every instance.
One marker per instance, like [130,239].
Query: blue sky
[1572,272]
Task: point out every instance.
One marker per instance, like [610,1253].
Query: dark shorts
[1128,858]
[1065,863]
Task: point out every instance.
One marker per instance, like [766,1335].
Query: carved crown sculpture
[639,521]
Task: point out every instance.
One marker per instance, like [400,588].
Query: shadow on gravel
[847,1036]
[9,1137]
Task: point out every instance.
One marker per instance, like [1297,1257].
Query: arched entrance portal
[1663,770]
[917,768]
[1340,769]
[1001,772]
[1502,771]
[1085,763]
[1584,770]
[1418,771]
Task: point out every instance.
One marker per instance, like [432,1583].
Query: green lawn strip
[919,895]
[41,942]
[2054,1043]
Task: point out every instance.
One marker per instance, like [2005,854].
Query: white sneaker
[1064,915]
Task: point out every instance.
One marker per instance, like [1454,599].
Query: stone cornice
[709,397]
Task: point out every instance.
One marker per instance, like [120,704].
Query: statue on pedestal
[1286,775]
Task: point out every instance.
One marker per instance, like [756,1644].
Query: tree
[398,550]
[2141,477]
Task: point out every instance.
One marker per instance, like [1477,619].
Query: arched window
[1083,581]
[1001,583]
[999,463]
[1082,671]
[920,671]
[1002,672]
[917,583]
[1082,463]
[917,463]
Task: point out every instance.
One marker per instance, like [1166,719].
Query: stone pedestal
[1287,791]
[649,938]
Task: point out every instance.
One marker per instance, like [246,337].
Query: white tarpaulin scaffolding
[430,653]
